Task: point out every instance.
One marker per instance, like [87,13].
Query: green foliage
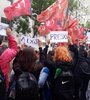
[87,24]
[73,5]
[40,5]
[22,25]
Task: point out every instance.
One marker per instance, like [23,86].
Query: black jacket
[64,65]
[82,74]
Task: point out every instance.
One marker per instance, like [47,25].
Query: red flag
[55,16]
[72,22]
[72,28]
[58,8]
[42,29]
[74,31]
[81,33]
[46,14]
[21,7]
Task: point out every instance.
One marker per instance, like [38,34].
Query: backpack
[64,83]
[2,82]
[26,87]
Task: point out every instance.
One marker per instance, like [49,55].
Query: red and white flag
[58,8]
[72,28]
[81,33]
[54,17]
[21,7]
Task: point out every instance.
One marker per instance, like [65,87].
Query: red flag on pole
[54,17]
[43,30]
[58,8]
[21,7]
[81,33]
[73,29]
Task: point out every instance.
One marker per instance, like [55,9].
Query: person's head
[62,53]
[25,60]
[50,55]
[0,40]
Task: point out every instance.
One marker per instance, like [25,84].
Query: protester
[24,64]
[82,72]
[46,68]
[46,73]
[64,67]
[8,54]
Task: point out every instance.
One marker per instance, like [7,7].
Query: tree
[21,24]
[73,5]
[40,5]
[87,24]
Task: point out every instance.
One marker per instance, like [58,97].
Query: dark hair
[25,60]
[50,55]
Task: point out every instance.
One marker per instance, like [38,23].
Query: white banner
[58,36]
[33,42]
[3,32]
[2,29]
[88,37]
[3,26]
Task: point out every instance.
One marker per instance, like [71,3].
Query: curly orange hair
[62,53]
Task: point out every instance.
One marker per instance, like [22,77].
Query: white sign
[33,42]
[2,29]
[42,39]
[3,26]
[58,36]
[3,32]
[88,37]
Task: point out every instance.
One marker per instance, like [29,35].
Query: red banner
[81,33]
[43,30]
[72,28]
[54,17]
[58,8]
[21,7]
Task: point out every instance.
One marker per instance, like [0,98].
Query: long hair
[62,53]
[25,60]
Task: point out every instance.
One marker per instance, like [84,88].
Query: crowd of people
[62,73]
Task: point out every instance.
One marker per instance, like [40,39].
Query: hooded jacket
[64,65]
[7,56]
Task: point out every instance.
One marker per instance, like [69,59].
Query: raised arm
[12,50]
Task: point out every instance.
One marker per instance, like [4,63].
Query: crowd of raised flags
[54,18]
